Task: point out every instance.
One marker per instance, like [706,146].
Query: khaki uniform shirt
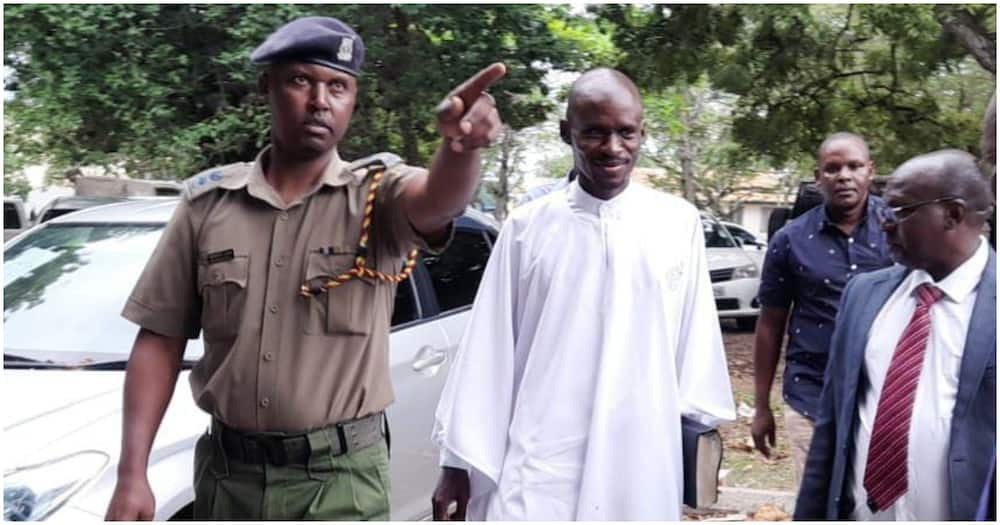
[230,264]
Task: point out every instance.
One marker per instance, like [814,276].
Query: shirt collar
[335,174]
[584,202]
[962,280]
[872,204]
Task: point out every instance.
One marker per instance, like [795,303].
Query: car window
[715,235]
[405,308]
[455,274]
[742,235]
[11,219]
[62,281]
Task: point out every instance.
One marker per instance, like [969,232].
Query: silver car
[66,347]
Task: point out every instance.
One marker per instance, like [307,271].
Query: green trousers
[348,487]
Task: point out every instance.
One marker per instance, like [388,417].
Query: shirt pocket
[342,310]
[223,289]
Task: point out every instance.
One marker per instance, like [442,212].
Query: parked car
[15,218]
[735,276]
[753,243]
[66,347]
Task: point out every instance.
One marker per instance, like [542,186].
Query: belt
[294,449]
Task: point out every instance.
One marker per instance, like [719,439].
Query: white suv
[735,275]
[66,346]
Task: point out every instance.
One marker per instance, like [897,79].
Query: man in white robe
[594,329]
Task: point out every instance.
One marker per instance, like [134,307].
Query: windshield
[64,287]
[716,236]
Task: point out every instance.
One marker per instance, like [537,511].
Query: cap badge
[346,50]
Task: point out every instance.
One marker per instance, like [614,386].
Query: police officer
[287,265]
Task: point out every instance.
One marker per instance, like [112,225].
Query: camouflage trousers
[347,487]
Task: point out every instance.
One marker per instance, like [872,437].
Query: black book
[702,449]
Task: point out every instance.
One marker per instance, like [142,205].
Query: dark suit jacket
[825,491]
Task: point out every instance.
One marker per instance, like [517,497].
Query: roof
[77,202]
[158,210]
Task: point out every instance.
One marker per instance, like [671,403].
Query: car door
[428,320]
[417,360]
[455,277]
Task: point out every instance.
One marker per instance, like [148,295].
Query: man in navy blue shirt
[808,263]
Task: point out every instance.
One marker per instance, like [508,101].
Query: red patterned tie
[885,470]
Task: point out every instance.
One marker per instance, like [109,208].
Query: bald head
[843,136]
[599,84]
[947,173]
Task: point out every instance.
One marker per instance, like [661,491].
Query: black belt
[294,449]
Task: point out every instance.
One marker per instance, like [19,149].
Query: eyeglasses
[897,214]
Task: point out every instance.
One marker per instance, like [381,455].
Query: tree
[689,136]
[892,73]
[167,90]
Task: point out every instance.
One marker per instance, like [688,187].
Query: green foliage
[166,90]
[889,72]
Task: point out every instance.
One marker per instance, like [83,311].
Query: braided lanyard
[361,270]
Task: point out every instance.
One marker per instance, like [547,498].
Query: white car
[754,243]
[735,275]
[66,346]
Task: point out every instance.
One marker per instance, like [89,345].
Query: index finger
[470,90]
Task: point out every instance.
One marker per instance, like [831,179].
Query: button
[217,276]
[854,267]
[273,308]
[265,402]
[810,236]
[850,240]
[280,261]
[269,356]
[832,252]
[283,216]
[821,325]
[826,281]
[796,330]
[796,379]
[872,245]
[837,499]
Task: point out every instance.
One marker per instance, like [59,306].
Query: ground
[742,465]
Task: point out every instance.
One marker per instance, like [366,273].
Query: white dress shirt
[927,492]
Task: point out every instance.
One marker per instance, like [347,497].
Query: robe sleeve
[474,412]
[703,378]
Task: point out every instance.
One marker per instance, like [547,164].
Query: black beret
[315,39]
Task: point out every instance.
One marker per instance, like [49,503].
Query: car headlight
[34,492]
[745,272]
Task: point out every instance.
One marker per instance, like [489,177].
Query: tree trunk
[975,39]
[503,176]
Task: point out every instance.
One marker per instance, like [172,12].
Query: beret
[314,39]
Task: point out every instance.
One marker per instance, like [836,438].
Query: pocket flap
[233,271]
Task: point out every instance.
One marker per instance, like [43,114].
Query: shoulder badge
[211,179]
[377,161]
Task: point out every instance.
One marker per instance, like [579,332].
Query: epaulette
[378,161]
[211,179]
